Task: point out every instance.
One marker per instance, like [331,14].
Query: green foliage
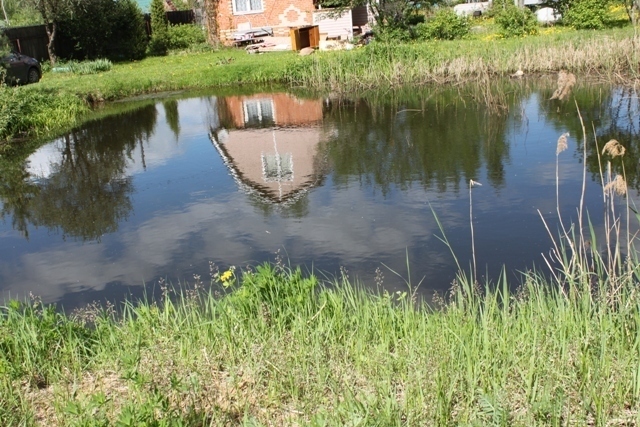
[498,6]
[5,44]
[21,13]
[159,43]
[5,48]
[130,37]
[516,22]
[90,67]
[106,28]
[393,16]
[392,34]
[36,353]
[285,294]
[445,25]
[185,36]
[587,14]
[24,110]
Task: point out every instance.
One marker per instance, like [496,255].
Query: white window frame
[281,176]
[247,12]
[259,102]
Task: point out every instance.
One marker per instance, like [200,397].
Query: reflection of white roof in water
[277,165]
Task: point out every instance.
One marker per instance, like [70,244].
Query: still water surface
[171,185]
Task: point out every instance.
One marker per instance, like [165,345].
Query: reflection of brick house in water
[270,144]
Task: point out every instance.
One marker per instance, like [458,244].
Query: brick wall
[278,14]
[288,110]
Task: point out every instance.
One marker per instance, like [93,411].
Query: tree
[4,11]
[159,28]
[388,14]
[52,12]
[211,11]
[633,10]
[20,12]
[111,29]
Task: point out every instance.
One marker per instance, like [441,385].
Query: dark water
[164,189]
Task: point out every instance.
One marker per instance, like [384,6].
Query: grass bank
[61,100]
[278,351]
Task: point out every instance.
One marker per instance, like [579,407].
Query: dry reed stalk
[566,81]
[562,143]
[472,184]
[616,186]
[583,244]
[560,147]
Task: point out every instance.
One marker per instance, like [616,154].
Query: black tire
[33,76]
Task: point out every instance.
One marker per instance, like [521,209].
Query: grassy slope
[174,72]
[275,352]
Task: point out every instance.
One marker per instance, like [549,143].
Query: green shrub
[27,111]
[159,43]
[445,25]
[390,34]
[513,21]
[105,28]
[587,14]
[185,36]
[129,34]
[90,67]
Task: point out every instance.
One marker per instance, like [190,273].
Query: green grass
[174,72]
[281,351]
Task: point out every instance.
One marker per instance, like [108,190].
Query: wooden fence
[32,40]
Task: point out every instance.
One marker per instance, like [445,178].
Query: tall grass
[275,352]
[612,57]
[31,113]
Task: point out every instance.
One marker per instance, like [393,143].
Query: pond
[166,188]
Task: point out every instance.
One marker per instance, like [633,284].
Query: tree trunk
[213,31]
[6,18]
[51,35]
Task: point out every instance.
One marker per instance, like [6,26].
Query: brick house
[281,15]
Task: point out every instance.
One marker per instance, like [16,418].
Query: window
[258,113]
[247,6]
[277,167]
